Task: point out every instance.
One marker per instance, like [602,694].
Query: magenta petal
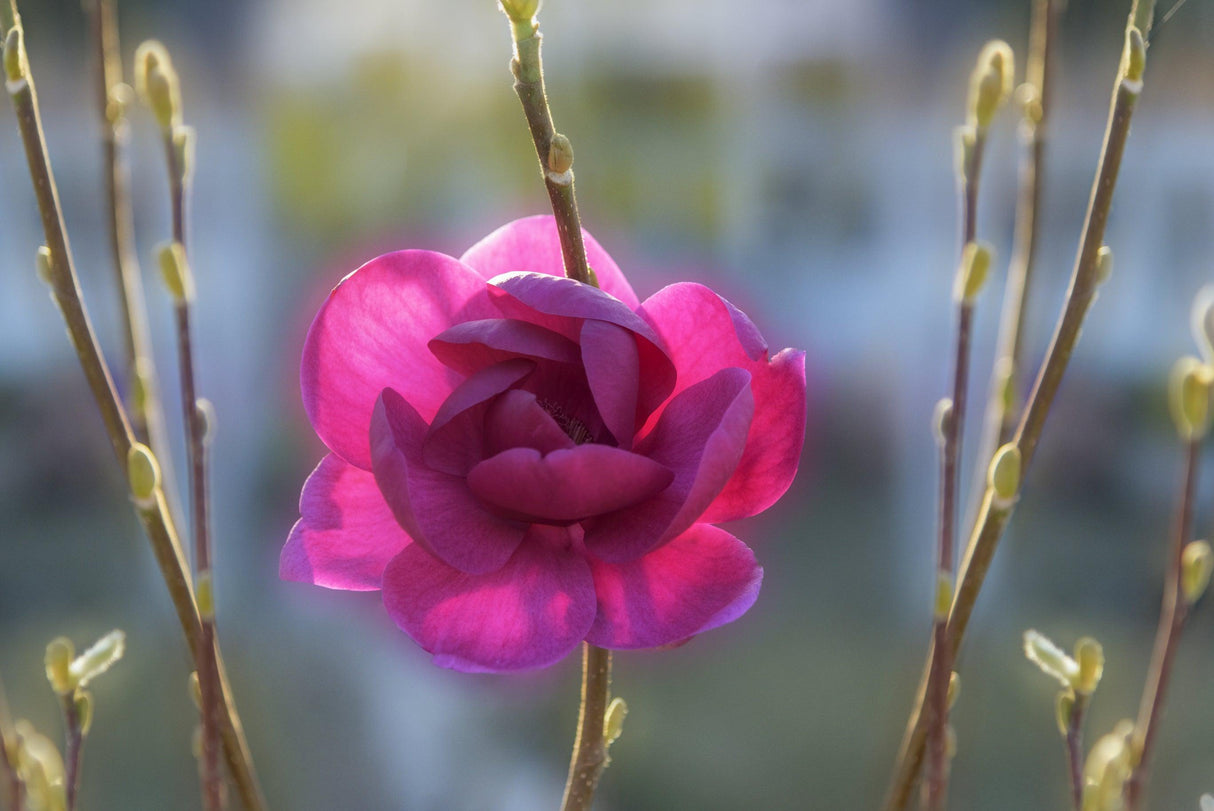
[702,579]
[435,508]
[609,355]
[532,244]
[517,420]
[345,535]
[703,334]
[566,485]
[700,436]
[455,441]
[530,613]
[473,345]
[371,334]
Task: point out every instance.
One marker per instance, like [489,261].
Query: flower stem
[73,750]
[1171,622]
[528,71]
[992,517]
[590,749]
[1074,749]
[156,519]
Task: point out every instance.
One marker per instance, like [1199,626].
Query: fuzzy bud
[99,658]
[157,84]
[143,475]
[1090,656]
[944,595]
[1104,264]
[83,700]
[613,720]
[1189,391]
[1135,59]
[1109,765]
[204,595]
[184,139]
[520,10]
[43,265]
[973,273]
[204,412]
[195,690]
[954,689]
[14,54]
[1050,658]
[1064,707]
[941,419]
[1003,475]
[40,768]
[175,270]
[560,155]
[965,140]
[1196,563]
[990,83]
[59,655]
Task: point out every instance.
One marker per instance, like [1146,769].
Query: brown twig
[590,751]
[156,519]
[1074,749]
[73,750]
[992,517]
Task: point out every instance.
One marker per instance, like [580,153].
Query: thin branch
[73,750]
[1074,749]
[590,750]
[992,517]
[156,519]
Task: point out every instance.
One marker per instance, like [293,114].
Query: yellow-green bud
[1202,321]
[141,386]
[1108,767]
[1190,397]
[99,658]
[157,84]
[196,742]
[1028,99]
[118,101]
[1104,264]
[40,767]
[204,412]
[1196,563]
[59,655]
[990,83]
[950,742]
[613,720]
[974,271]
[1050,658]
[204,595]
[1064,706]
[1135,59]
[84,710]
[1005,377]
[43,266]
[1003,475]
[1090,656]
[560,155]
[941,419]
[954,689]
[143,475]
[14,54]
[195,690]
[184,139]
[594,277]
[944,595]
[520,10]
[175,270]
[964,141]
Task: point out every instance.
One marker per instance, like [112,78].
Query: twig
[1074,749]
[73,750]
[156,519]
[992,517]
[590,751]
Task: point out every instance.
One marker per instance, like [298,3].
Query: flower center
[574,428]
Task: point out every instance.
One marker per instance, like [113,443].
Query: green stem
[590,749]
[991,519]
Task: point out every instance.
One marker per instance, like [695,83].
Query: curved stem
[590,749]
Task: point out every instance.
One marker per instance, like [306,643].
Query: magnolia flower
[522,462]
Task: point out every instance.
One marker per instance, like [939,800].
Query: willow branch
[1074,749]
[590,749]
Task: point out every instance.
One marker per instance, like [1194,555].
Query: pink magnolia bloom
[522,462]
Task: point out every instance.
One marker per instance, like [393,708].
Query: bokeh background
[795,155]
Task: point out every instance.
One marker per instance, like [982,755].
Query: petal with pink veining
[703,334]
[566,485]
[702,579]
[700,436]
[345,535]
[530,613]
[532,244]
[437,509]
[371,334]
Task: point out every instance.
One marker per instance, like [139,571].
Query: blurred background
[796,155]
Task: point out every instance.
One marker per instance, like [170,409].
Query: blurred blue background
[796,155]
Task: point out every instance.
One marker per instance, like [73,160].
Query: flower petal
[435,508]
[700,436]
[566,485]
[702,579]
[532,244]
[517,420]
[530,613]
[345,535]
[371,334]
[455,441]
[703,334]
[609,355]
[473,345]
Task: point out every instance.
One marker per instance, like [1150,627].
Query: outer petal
[702,579]
[566,485]
[700,436]
[530,613]
[346,534]
[371,334]
[704,333]
[532,244]
[435,508]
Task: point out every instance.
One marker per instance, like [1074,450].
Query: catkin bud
[1064,707]
[1104,264]
[59,655]
[43,266]
[944,595]
[560,155]
[520,10]
[1190,397]
[1050,658]
[14,54]
[157,84]
[175,270]
[1003,475]
[613,720]
[1090,656]
[195,690]
[954,689]
[184,139]
[974,271]
[1135,58]
[941,419]
[204,595]
[1196,563]
[990,83]
[83,700]
[99,658]
[143,475]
